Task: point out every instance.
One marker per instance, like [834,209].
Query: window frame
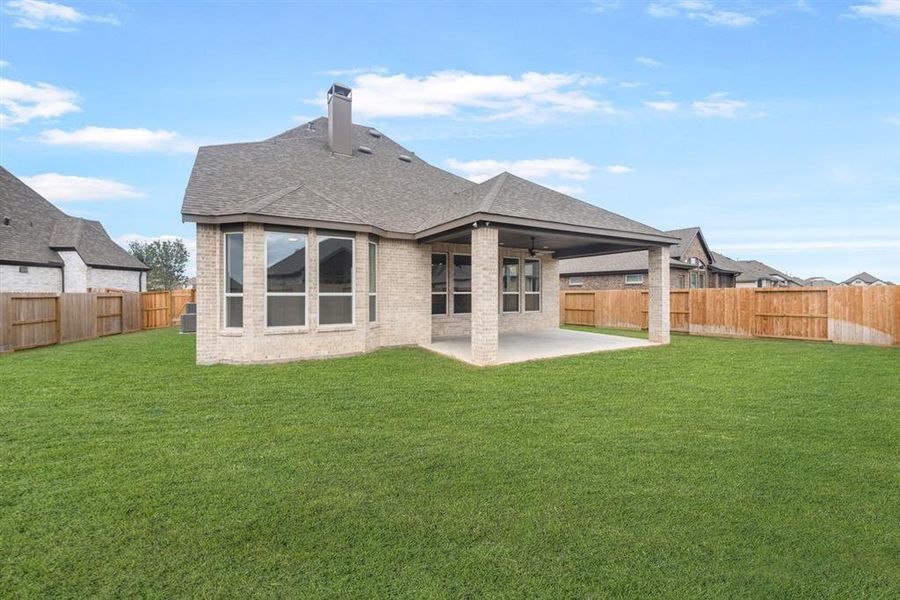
[447,283]
[225,293]
[540,289]
[640,280]
[518,292]
[320,293]
[452,283]
[305,293]
[373,281]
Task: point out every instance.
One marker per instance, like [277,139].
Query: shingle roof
[37,228]
[630,261]
[750,271]
[295,175]
[865,277]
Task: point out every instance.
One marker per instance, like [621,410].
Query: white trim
[372,294]
[640,280]
[225,293]
[304,295]
[451,283]
[352,293]
[518,292]
[540,291]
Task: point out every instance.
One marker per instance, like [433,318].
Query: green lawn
[709,468]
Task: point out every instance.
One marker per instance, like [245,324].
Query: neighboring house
[691,264]
[752,273]
[42,249]
[864,280]
[331,239]
[820,282]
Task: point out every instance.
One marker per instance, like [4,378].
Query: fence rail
[844,315]
[30,320]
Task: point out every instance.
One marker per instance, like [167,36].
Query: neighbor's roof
[865,277]
[295,175]
[750,271]
[819,281]
[37,229]
[633,261]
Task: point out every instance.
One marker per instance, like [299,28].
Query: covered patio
[536,345]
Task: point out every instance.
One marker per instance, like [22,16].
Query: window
[285,279]
[336,281]
[510,285]
[234,280]
[373,272]
[532,274]
[698,273]
[462,284]
[679,282]
[438,283]
[636,279]
[576,281]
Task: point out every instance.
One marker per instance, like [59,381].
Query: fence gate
[791,313]
[578,308]
[35,321]
[109,314]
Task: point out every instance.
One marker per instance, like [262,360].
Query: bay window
[462,284]
[439,283]
[234,280]
[532,274]
[285,279]
[510,285]
[336,264]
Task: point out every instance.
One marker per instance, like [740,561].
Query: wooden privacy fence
[32,320]
[844,315]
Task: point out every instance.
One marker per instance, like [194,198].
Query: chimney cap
[339,89]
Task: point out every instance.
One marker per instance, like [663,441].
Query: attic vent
[375,133]
[6,220]
[404,158]
[365,150]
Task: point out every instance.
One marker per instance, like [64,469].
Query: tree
[167,260]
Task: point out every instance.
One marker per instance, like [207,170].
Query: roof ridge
[338,204]
[488,200]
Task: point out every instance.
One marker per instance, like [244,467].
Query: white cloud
[66,188]
[886,11]
[662,105]
[617,169]
[630,84]
[21,103]
[191,245]
[36,14]
[893,121]
[700,10]
[600,6]
[4,64]
[647,61]
[539,168]
[718,105]
[119,140]
[530,96]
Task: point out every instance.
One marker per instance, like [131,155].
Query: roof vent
[6,220]
[365,150]
[405,158]
[375,133]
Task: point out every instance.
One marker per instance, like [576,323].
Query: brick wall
[75,272]
[616,281]
[37,279]
[117,279]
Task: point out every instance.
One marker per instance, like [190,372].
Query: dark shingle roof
[37,229]
[630,261]
[295,175]
[751,271]
[864,277]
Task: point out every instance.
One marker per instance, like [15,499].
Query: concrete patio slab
[536,345]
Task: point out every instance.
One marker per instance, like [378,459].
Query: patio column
[485,290]
[658,322]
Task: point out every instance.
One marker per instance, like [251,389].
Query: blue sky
[775,126]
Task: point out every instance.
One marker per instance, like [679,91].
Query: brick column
[254,280]
[659,295]
[209,291]
[312,279]
[485,291]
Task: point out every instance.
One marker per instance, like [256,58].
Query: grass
[710,468]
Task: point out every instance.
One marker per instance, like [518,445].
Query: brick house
[42,249]
[864,280]
[333,239]
[756,274]
[691,264]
